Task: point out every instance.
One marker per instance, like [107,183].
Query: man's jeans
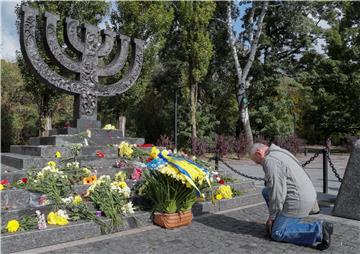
[292,230]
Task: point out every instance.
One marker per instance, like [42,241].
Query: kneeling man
[290,196]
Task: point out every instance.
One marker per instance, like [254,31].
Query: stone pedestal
[347,203]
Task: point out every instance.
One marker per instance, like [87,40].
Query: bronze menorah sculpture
[91,45]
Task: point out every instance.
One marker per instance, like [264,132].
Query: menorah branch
[53,47]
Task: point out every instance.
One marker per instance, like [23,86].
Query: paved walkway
[235,231]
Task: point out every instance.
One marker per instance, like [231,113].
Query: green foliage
[18,112]
[274,105]
[335,78]
[166,193]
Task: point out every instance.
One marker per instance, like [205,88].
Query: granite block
[347,203]
[52,235]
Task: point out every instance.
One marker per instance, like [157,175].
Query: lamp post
[175,117]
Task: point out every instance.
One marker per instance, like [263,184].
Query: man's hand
[269,226]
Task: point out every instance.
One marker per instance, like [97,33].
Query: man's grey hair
[255,147]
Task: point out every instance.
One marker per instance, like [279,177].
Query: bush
[222,145]
[199,146]
[292,143]
[239,146]
[165,141]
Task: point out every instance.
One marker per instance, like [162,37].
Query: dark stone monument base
[64,140]
[94,132]
[84,124]
[347,203]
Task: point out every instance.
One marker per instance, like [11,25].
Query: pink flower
[136,174]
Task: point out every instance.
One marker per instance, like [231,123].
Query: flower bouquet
[172,185]
[50,181]
[112,198]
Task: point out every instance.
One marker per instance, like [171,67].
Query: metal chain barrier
[311,159]
[333,169]
[240,173]
[303,165]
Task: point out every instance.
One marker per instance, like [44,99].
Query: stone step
[80,230]
[247,198]
[94,132]
[48,151]
[72,139]
[15,214]
[59,234]
[12,176]
[20,161]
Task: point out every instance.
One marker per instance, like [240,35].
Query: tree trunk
[193,101]
[243,74]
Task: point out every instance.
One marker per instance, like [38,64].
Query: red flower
[148,159]
[146,145]
[4,182]
[100,154]
[221,181]
[24,180]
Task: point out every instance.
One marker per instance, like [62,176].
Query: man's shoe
[328,229]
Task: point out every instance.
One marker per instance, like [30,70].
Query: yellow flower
[225,191]
[120,176]
[57,154]
[51,218]
[56,219]
[61,221]
[109,127]
[218,196]
[12,226]
[125,150]
[77,200]
[52,164]
[154,152]
[122,185]
[1,187]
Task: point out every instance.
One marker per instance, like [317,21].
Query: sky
[9,39]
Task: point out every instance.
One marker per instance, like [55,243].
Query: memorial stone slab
[347,203]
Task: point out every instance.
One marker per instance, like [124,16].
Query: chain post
[325,171]
[216,162]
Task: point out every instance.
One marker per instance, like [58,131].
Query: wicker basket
[173,220]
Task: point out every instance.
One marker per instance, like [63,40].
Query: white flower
[62,213]
[104,178]
[128,208]
[67,200]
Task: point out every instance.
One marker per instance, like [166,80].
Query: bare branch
[255,42]
[232,42]
[222,21]
[251,26]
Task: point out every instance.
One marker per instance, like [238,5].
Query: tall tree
[194,18]
[243,80]
[334,77]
